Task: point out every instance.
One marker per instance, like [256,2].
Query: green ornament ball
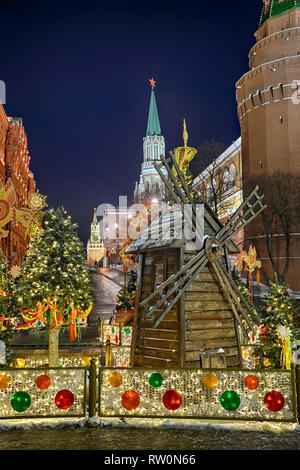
[156,380]
[21,401]
[230,400]
[127,331]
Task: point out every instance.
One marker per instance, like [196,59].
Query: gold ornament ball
[267,363]
[115,379]
[4,382]
[210,380]
[86,361]
[20,362]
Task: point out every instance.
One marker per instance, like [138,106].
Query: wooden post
[53,343]
[297,376]
[181,318]
[92,388]
[108,354]
[99,329]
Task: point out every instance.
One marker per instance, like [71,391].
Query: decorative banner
[251,264]
[183,156]
[198,393]
[7,202]
[8,211]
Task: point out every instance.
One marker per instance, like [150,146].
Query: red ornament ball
[130,400]
[64,399]
[251,382]
[43,382]
[172,400]
[263,334]
[274,401]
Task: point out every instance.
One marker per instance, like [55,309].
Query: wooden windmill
[186,301]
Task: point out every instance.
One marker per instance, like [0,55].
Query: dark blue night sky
[77,73]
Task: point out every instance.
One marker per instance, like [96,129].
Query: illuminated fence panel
[120,356]
[117,334]
[51,392]
[126,335]
[198,393]
[40,360]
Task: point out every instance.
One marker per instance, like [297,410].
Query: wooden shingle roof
[166,230]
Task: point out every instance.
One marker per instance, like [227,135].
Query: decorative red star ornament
[152,82]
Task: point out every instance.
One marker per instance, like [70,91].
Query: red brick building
[14,164]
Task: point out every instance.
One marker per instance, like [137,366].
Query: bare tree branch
[282,215]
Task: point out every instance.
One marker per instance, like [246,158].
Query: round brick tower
[269,107]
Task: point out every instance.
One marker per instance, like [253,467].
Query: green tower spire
[274,8]
[95,220]
[153,127]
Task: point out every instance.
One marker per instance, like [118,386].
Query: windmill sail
[174,287]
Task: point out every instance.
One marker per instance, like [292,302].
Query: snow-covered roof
[167,230]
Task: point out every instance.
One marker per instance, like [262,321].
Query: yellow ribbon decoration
[284,335]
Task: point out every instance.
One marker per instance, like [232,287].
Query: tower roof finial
[153,127]
[152,82]
[185,134]
[95,221]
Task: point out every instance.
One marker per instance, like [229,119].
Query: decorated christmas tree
[8,306]
[54,288]
[280,319]
[126,296]
[37,204]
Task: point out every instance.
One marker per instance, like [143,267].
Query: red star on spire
[152,82]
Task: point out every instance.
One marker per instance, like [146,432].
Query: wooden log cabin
[202,320]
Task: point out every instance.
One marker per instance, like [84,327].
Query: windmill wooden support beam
[186,300]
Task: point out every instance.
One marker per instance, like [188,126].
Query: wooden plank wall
[157,347]
[209,321]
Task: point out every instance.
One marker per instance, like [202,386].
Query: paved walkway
[107,284]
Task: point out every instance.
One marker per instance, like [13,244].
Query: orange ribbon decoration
[71,316]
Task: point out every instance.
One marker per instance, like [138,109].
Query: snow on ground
[51,423]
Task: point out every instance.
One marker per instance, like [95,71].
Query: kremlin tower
[95,246]
[150,187]
[269,112]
